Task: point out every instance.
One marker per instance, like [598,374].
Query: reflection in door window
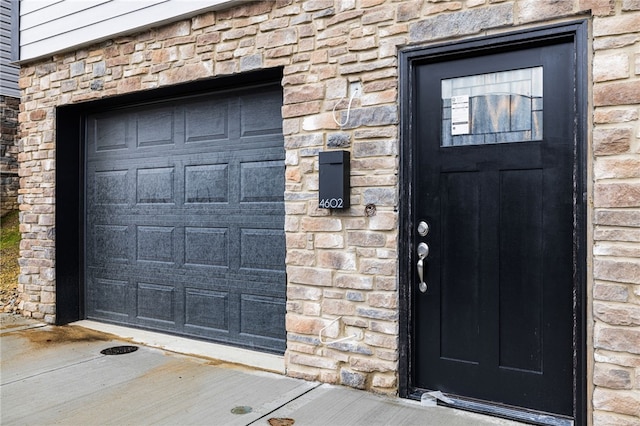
[492,108]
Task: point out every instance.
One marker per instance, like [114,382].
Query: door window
[492,108]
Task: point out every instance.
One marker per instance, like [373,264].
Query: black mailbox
[334,180]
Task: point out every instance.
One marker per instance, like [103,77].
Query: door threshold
[502,411]
[186,346]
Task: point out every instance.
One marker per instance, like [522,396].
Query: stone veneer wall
[616,214]
[345,264]
[9,180]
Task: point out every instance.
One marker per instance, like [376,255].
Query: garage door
[185,217]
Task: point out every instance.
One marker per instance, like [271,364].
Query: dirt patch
[46,336]
[281,421]
[229,364]
[214,362]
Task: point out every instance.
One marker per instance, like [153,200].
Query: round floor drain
[243,409]
[119,350]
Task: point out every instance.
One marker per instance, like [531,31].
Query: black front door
[493,205]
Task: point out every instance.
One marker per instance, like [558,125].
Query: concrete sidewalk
[57,375]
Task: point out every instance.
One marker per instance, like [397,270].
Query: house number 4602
[331,203]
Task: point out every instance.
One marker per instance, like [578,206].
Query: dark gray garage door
[185,217]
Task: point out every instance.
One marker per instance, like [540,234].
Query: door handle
[423,252]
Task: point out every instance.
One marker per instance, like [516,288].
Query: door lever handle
[422,286]
[423,252]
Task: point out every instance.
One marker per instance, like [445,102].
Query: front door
[492,227]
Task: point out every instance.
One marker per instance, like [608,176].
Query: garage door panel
[207,121]
[205,152]
[192,230]
[256,249]
[155,185]
[260,114]
[207,309]
[110,297]
[256,180]
[206,246]
[262,249]
[206,183]
[111,243]
[110,187]
[155,127]
[109,133]
[155,244]
[155,302]
[261,316]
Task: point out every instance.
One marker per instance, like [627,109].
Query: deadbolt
[423,228]
[423,250]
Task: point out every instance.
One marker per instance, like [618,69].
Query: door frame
[575,32]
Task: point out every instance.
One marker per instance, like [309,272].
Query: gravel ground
[9,300]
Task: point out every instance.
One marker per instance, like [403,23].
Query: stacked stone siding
[616,214]
[9,181]
[342,266]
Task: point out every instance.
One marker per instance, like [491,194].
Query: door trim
[574,32]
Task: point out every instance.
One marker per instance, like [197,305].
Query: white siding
[51,26]
[8,71]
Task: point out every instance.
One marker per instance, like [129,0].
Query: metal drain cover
[243,409]
[119,350]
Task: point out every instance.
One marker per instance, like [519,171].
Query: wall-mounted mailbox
[334,180]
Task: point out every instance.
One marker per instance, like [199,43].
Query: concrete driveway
[58,375]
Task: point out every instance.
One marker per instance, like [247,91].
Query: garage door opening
[181,223]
